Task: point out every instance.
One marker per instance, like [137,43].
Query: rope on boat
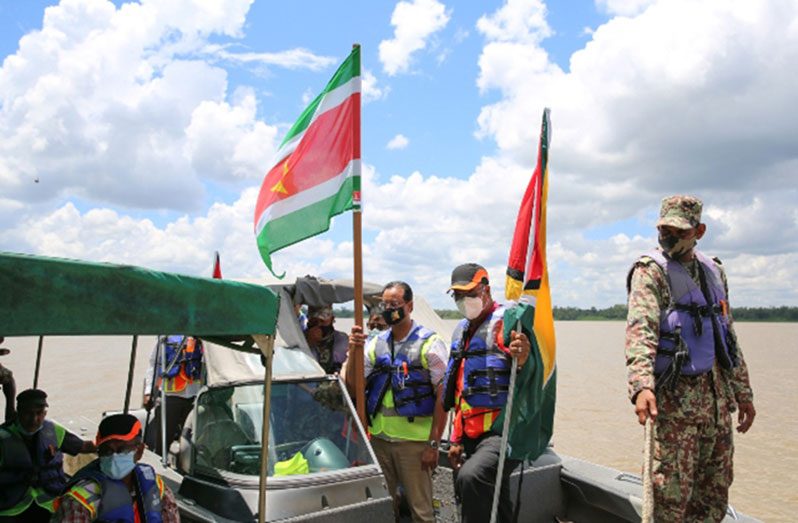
[648,457]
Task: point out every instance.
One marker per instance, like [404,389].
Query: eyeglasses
[476,292]
[392,305]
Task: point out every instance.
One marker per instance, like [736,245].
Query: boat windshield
[311,429]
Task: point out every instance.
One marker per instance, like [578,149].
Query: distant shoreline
[781,314]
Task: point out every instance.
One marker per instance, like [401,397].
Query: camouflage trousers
[693,452]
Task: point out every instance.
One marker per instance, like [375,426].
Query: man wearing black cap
[115,487]
[477,383]
[31,460]
[8,385]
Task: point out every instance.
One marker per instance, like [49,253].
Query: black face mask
[326,331]
[393,316]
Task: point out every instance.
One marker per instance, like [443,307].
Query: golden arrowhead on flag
[279,187]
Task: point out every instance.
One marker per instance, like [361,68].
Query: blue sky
[150,126]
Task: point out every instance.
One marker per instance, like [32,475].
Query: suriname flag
[316,172]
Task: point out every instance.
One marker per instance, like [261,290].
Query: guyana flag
[532,418]
[316,172]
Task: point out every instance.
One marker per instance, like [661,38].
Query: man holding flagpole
[477,386]
[494,396]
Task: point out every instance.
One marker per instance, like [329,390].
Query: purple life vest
[694,328]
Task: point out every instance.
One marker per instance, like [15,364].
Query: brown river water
[594,421]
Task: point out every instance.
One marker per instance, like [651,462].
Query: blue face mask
[117,466]
[29,434]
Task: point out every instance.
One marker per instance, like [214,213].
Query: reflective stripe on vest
[401,404]
[23,479]
[109,499]
[693,331]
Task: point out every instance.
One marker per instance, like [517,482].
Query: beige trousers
[401,464]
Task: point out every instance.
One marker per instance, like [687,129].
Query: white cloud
[226,140]
[291,59]
[102,101]
[683,97]
[520,21]
[623,7]
[414,23]
[398,142]
[370,90]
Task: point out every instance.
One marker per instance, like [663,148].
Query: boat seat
[217,433]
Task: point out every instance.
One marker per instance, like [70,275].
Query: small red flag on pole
[217,267]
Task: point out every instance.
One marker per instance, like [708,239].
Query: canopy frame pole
[153,384]
[131,368]
[162,435]
[357,241]
[266,346]
[38,363]
[497,489]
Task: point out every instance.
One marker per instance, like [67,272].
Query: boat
[311,460]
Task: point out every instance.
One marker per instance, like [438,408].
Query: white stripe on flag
[306,197]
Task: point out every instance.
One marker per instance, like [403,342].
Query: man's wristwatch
[433,443]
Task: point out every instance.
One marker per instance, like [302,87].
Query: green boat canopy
[42,296]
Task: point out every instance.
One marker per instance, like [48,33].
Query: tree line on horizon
[617,312]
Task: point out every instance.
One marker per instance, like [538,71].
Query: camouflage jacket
[649,295]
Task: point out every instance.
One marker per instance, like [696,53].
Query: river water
[594,420]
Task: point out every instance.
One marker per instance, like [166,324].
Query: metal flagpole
[357,240]
[505,434]
[163,404]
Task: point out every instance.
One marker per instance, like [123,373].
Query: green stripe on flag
[348,70]
[305,222]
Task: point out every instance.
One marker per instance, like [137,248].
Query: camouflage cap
[682,212]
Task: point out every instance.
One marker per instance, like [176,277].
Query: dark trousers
[476,480]
[177,410]
[33,514]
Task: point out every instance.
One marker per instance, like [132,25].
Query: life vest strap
[414,399]
[679,355]
[493,390]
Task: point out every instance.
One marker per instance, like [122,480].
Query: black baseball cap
[32,397]
[467,276]
[123,427]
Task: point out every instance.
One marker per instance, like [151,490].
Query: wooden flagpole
[357,239]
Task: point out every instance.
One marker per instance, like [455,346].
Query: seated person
[376,323]
[328,345]
[31,460]
[116,487]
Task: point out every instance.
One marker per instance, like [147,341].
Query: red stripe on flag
[325,150]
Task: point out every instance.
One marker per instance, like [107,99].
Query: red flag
[217,267]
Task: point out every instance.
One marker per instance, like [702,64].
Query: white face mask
[470,307]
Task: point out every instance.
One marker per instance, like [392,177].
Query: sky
[139,133]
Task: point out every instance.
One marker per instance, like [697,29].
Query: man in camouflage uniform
[691,411]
